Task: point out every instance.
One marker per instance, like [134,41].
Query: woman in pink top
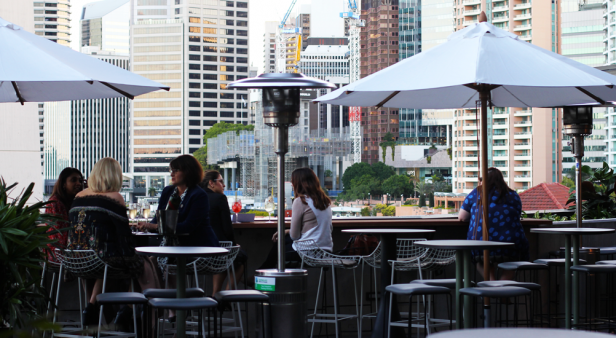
[311,217]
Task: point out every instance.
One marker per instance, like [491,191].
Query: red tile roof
[545,196]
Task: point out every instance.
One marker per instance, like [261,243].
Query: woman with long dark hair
[504,215]
[68,185]
[311,217]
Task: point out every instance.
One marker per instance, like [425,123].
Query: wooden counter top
[390,222]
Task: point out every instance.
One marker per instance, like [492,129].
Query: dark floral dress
[505,226]
[100,223]
[58,209]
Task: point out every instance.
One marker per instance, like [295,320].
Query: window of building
[194,141]
[242,14]
[209,39]
[226,114]
[241,4]
[227,68]
[194,122]
[193,57]
[194,66]
[227,96]
[209,11]
[242,96]
[209,86]
[242,33]
[209,76]
[226,31]
[210,104]
[194,76]
[242,60]
[194,104]
[242,50]
[157,151]
[209,67]
[244,42]
[209,30]
[226,3]
[227,50]
[210,49]
[194,38]
[242,69]
[210,114]
[209,123]
[194,94]
[210,21]
[194,132]
[194,85]
[224,77]
[226,105]
[210,58]
[209,95]
[193,19]
[194,113]
[228,41]
[226,59]
[242,23]
[194,29]
[229,13]
[229,23]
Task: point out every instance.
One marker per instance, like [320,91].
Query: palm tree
[152,191]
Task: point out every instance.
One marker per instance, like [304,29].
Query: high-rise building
[106,24]
[196,48]
[20,133]
[525,144]
[79,133]
[582,41]
[52,20]
[269,47]
[379,49]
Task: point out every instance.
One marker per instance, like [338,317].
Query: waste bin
[285,315]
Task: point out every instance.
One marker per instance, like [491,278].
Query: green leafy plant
[328,173]
[388,141]
[429,159]
[152,191]
[366,211]
[258,212]
[23,247]
[597,194]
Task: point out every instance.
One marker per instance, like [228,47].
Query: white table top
[572,231]
[461,244]
[520,332]
[388,231]
[180,251]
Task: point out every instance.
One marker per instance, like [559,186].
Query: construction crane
[281,41]
[353,21]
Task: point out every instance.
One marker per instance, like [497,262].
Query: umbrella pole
[484,91]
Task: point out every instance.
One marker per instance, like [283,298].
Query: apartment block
[269,47]
[525,144]
[379,49]
[106,25]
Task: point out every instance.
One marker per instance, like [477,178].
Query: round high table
[463,267]
[181,253]
[572,239]
[388,253]
[517,333]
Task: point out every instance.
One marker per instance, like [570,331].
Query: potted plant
[23,248]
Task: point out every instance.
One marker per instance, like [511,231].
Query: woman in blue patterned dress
[504,215]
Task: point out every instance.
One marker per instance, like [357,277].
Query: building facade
[379,49]
[196,48]
[81,132]
[269,47]
[525,144]
[106,25]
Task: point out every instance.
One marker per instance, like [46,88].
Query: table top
[388,231]
[520,332]
[180,251]
[457,244]
[153,234]
[572,231]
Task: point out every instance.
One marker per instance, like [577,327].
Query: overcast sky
[259,11]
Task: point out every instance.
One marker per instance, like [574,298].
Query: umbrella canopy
[34,69]
[443,77]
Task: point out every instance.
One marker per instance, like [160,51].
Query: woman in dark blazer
[186,195]
[220,218]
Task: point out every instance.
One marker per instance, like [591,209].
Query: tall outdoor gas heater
[286,288]
[578,123]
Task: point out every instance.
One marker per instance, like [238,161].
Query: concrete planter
[588,223]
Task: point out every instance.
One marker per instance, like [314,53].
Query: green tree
[397,185]
[422,200]
[431,200]
[382,171]
[388,141]
[374,185]
[366,211]
[587,173]
[215,130]
[567,182]
[328,173]
[356,170]
[412,187]
[152,191]
[389,211]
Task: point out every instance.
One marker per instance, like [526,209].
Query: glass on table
[269,208]
[236,207]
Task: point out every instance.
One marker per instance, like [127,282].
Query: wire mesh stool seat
[88,265]
[374,261]
[312,255]
[213,266]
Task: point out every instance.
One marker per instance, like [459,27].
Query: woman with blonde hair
[99,222]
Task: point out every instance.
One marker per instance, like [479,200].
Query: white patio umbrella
[34,69]
[485,63]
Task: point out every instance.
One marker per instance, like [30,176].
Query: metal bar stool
[374,261]
[56,269]
[246,296]
[495,292]
[416,289]
[124,298]
[189,304]
[313,256]
[595,319]
[533,298]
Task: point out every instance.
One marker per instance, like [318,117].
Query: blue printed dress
[504,226]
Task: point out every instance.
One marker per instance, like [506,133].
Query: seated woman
[99,223]
[193,218]
[68,185]
[311,217]
[220,218]
[504,213]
